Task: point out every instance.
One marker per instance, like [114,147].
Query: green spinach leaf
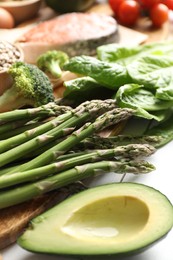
[126,54]
[85,88]
[106,74]
[164,130]
[136,97]
[155,74]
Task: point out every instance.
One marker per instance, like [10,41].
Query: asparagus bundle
[129,151]
[60,126]
[25,117]
[55,163]
[107,119]
[23,193]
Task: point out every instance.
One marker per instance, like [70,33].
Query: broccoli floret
[30,87]
[52,62]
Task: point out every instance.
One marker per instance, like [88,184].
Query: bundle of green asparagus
[49,147]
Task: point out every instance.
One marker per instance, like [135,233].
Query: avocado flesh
[110,219]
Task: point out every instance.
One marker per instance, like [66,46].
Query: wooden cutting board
[14,219]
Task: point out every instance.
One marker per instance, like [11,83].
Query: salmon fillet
[75,33]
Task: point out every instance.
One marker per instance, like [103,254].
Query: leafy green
[106,74]
[84,88]
[151,71]
[154,73]
[163,129]
[146,69]
[126,54]
[136,97]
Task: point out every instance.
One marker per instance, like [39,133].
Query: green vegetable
[26,192]
[98,142]
[106,74]
[84,88]
[164,130]
[149,64]
[125,55]
[151,72]
[19,120]
[31,87]
[105,120]
[50,109]
[52,62]
[5,128]
[12,133]
[108,220]
[66,124]
[143,100]
[155,74]
[128,151]
[34,132]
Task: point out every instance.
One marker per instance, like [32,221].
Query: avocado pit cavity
[119,218]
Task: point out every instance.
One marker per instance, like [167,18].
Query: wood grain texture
[14,219]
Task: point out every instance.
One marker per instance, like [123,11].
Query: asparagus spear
[4,128]
[10,169]
[32,115]
[50,109]
[82,114]
[98,142]
[23,193]
[131,150]
[107,119]
[31,133]
[5,170]
[16,131]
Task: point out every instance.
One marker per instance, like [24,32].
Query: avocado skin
[113,255]
[69,6]
[101,257]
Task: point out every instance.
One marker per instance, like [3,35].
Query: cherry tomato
[159,14]
[128,12]
[147,4]
[114,4]
[168,3]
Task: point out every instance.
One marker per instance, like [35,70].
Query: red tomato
[128,12]
[159,14]
[147,4]
[168,3]
[114,4]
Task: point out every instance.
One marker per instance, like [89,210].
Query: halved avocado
[112,219]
